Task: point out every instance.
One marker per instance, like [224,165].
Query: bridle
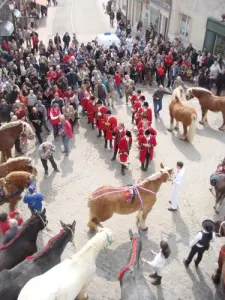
[28,135]
[43,221]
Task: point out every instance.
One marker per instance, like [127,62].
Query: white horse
[70,278]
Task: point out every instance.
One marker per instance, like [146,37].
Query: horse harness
[4,196]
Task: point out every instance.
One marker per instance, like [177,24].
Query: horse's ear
[74,225]
[62,224]
[162,166]
[170,171]
[43,212]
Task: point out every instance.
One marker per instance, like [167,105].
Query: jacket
[143,149]
[65,128]
[34,201]
[54,115]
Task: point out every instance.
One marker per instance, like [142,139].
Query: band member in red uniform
[119,132]
[144,111]
[135,106]
[110,125]
[84,102]
[124,146]
[146,142]
[143,125]
[100,117]
[91,108]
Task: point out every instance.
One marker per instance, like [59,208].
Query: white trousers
[175,196]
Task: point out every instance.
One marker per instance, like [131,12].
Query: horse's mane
[47,247]
[10,125]
[199,89]
[25,225]
[151,178]
[15,159]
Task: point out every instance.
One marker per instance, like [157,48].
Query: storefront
[214,41]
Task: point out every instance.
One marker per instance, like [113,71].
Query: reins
[124,189]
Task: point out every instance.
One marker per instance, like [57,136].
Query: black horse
[132,281]
[24,244]
[12,281]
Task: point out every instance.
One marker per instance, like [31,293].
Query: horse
[9,133]
[12,281]
[12,186]
[132,281]
[24,243]
[17,164]
[107,200]
[220,272]
[69,279]
[207,102]
[219,193]
[184,114]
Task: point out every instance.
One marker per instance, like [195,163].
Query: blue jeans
[157,106]
[119,90]
[55,130]
[65,140]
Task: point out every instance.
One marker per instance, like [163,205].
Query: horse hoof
[183,138]
[176,128]
[221,128]
[200,122]
[170,129]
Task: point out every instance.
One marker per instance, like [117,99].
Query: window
[185,26]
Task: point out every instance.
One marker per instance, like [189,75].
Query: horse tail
[192,128]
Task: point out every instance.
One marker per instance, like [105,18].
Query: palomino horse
[9,133]
[13,185]
[69,279]
[107,200]
[220,272]
[17,164]
[24,244]
[12,281]
[132,281]
[182,113]
[207,102]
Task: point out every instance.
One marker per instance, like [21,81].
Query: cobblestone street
[89,166]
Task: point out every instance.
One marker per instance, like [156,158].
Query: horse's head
[40,218]
[69,228]
[27,131]
[166,172]
[189,94]
[179,94]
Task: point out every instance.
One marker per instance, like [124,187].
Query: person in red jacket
[4,220]
[58,91]
[140,71]
[168,63]
[110,125]
[146,143]
[145,110]
[143,125]
[135,106]
[54,119]
[118,84]
[118,133]
[35,43]
[51,76]
[84,102]
[160,74]
[100,117]
[124,147]
[68,93]
[91,109]
[66,133]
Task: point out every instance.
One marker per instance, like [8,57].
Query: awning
[6,28]
[41,2]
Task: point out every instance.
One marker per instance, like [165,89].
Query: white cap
[13,223]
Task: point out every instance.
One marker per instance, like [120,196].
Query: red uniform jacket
[68,94]
[51,75]
[135,106]
[143,112]
[168,60]
[84,103]
[110,128]
[133,99]
[124,149]
[91,109]
[59,91]
[141,131]
[144,150]
[100,117]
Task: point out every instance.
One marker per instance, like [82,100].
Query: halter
[109,240]
[43,222]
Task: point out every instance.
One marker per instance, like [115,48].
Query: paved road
[89,166]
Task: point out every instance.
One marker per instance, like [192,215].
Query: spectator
[33,199]
[46,151]
[12,232]
[4,220]
[54,119]
[66,133]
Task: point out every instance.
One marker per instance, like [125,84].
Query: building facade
[199,22]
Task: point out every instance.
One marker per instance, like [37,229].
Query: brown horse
[220,228]
[9,133]
[107,200]
[182,113]
[207,102]
[13,185]
[220,272]
[17,164]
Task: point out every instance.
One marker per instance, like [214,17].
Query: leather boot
[123,170]
[106,144]
[157,281]
[142,167]
[93,126]
[114,156]
[146,166]
[110,144]
[99,133]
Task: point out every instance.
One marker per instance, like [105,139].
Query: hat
[32,188]
[209,225]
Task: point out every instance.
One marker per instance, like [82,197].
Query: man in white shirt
[177,182]
[201,242]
